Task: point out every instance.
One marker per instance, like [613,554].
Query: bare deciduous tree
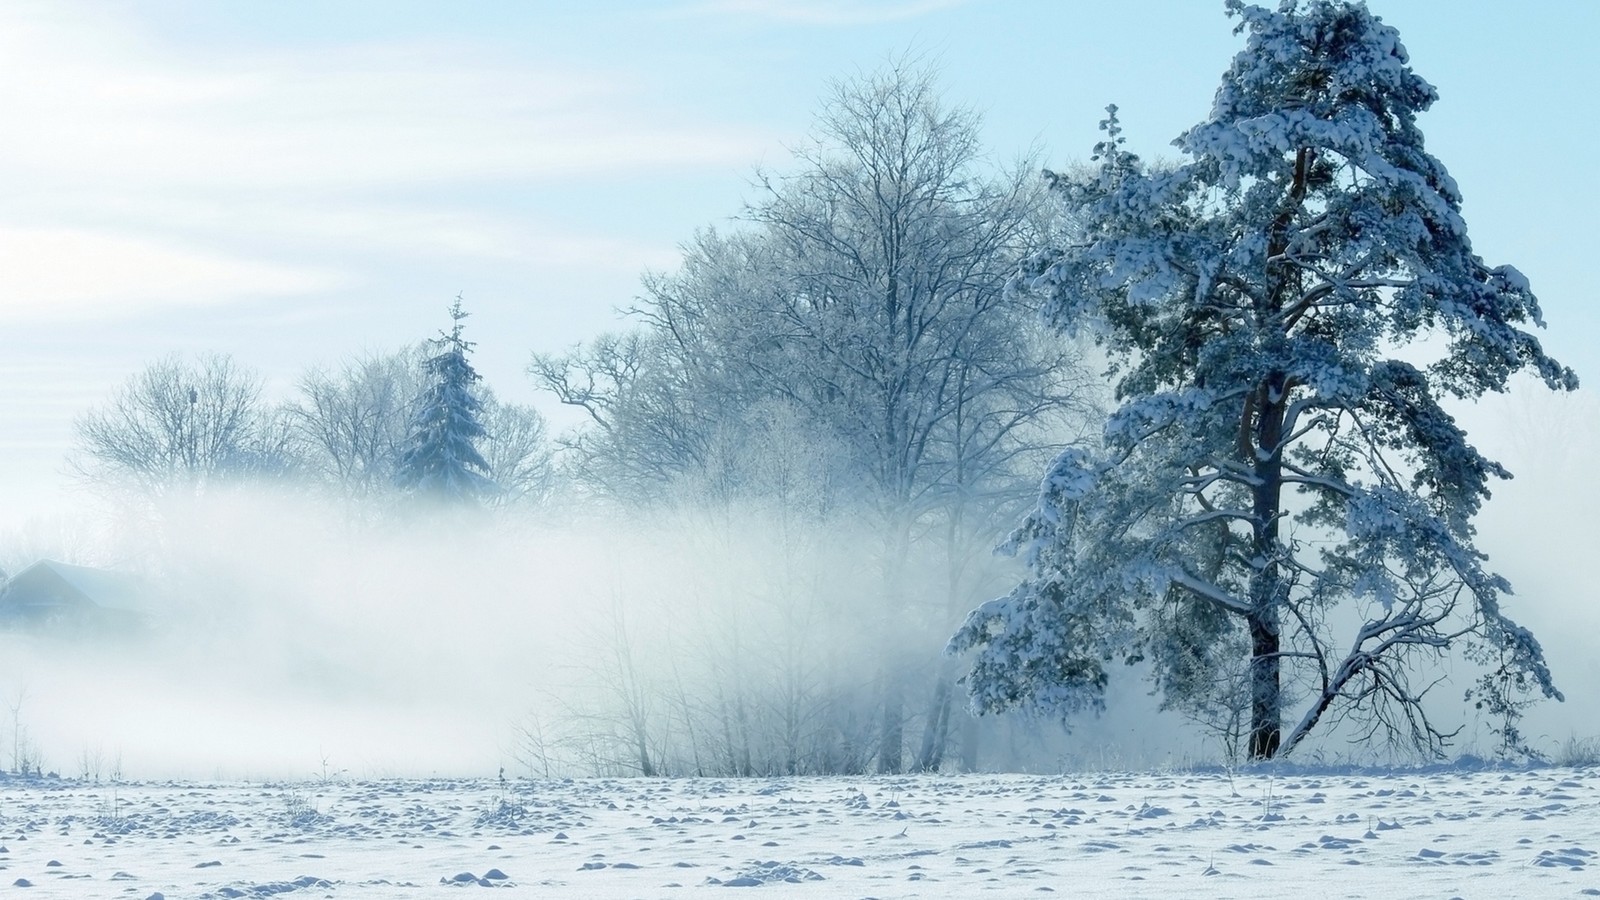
[867,301]
[182,424]
[352,422]
[517,448]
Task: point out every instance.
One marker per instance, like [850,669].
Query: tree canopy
[1279,514]
[182,424]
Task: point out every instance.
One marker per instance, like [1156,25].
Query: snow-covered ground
[1489,834]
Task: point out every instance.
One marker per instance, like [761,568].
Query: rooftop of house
[48,581]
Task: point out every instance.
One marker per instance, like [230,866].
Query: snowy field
[1488,834]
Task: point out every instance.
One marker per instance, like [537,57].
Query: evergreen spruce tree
[441,459]
[1279,517]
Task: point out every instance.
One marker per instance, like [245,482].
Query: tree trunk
[1265,689]
[1266,583]
[891,745]
[891,737]
[969,742]
[1268,589]
[746,767]
[727,738]
[936,726]
[847,763]
[642,745]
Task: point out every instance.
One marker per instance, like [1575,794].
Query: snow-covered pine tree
[185,425]
[1279,494]
[441,458]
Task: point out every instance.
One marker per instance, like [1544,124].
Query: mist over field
[291,642]
[294,640]
[1537,532]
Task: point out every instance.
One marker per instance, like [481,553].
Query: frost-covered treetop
[1311,164]
[1351,89]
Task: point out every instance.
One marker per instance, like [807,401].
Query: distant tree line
[373,430]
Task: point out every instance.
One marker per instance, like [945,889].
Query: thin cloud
[464,233]
[74,275]
[88,105]
[826,13]
[125,160]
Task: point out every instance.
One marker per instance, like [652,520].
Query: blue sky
[295,182]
